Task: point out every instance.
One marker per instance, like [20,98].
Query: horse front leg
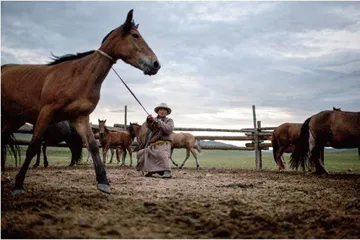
[82,126]
[105,149]
[112,154]
[37,163]
[123,156]
[186,158]
[279,158]
[42,122]
[130,153]
[46,163]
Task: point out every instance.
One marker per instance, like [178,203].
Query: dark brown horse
[337,129]
[115,139]
[58,132]
[68,89]
[284,138]
[187,141]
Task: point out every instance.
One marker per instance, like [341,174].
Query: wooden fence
[257,138]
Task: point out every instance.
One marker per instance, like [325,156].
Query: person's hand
[150,119]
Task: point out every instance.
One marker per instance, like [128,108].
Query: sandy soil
[207,203]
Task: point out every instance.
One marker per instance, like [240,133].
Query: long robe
[155,157]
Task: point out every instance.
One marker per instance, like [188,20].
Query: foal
[187,141]
[122,139]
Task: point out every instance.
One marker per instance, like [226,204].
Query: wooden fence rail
[255,136]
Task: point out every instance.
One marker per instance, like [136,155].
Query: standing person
[154,158]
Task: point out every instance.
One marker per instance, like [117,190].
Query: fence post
[260,153]
[125,117]
[256,140]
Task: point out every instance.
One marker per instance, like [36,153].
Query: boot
[167,174]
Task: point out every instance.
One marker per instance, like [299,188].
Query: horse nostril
[156,65]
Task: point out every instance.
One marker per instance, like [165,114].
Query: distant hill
[215,143]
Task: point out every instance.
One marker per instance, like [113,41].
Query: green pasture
[335,161]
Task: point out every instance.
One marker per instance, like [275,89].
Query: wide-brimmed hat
[163,105]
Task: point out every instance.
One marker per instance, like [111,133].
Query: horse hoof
[18,192]
[197,167]
[35,166]
[104,188]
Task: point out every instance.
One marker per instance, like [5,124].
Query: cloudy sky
[290,59]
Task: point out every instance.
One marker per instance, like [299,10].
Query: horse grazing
[116,139]
[68,89]
[337,129]
[187,141]
[58,132]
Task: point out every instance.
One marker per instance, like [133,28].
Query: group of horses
[306,141]
[121,140]
[68,89]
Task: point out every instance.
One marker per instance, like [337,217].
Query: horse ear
[136,26]
[104,121]
[99,120]
[127,25]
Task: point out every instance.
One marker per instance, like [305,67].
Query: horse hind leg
[173,162]
[195,156]
[186,158]
[316,156]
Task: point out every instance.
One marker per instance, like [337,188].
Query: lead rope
[130,91]
[113,61]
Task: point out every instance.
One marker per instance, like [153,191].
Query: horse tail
[9,142]
[197,144]
[301,152]
[275,145]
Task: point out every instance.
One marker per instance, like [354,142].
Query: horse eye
[135,35]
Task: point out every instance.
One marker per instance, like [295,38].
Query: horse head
[102,127]
[126,43]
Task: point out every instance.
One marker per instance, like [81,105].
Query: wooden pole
[125,117]
[259,152]
[256,140]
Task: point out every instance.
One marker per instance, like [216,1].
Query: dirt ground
[208,203]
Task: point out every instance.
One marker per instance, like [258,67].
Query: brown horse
[118,151]
[187,141]
[337,129]
[115,139]
[68,89]
[283,140]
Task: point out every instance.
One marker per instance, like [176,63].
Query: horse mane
[68,57]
